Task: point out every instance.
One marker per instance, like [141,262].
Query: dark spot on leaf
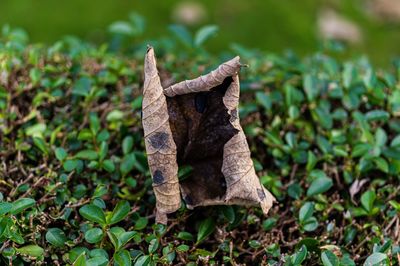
[261,194]
[200,134]
[188,200]
[222,183]
[159,140]
[234,115]
[158,177]
[200,102]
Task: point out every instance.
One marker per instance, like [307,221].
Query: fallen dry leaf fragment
[160,146]
[334,26]
[198,125]
[386,10]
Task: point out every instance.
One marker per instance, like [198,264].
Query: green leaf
[380,137]
[35,75]
[81,260]
[182,34]
[310,224]
[103,150]
[153,246]
[229,213]
[120,211]
[306,211]
[109,166]
[123,258]
[128,163]
[85,134]
[41,145]
[87,155]
[205,33]
[3,225]
[56,237]
[22,204]
[100,191]
[395,143]
[98,252]
[329,259]
[382,164]
[74,253]
[268,224]
[395,205]
[94,123]
[290,138]
[182,248]
[185,236]
[115,115]
[310,85]
[312,244]
[369,78]
[97,261]
[82,87]
[368,199]
[93,213]
[348,75]
[114,240]
[125,237]
[36,130]
[377,259]
[311,160]
[122,28]
[70,165]
[386,246]
[361,149]
[94,235]
[127,144]
[377,115]
[319,185]
[61,154]
[264,100]
[31,250]
[300,256]
[294,190]
[141,223]
[206,227]
[5,207]
[143,261]
[347,261]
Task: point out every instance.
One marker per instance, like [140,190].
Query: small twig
[360,245]
[5,245]
[391,223]
[337,178]
[14,190]
[293,172]
[78,204]
[34,186]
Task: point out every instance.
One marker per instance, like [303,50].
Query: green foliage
[75,186]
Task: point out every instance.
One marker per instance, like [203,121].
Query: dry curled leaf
[197,125]
[160,146]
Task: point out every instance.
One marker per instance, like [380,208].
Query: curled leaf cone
[160,146]
[197,125]
[206,82]
[242,182]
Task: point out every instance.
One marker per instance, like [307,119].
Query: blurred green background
[367,26]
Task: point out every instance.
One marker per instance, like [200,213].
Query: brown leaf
[204,123]
[207,82]
[356,187]
[160,146]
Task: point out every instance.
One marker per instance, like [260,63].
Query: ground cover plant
[75,187]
